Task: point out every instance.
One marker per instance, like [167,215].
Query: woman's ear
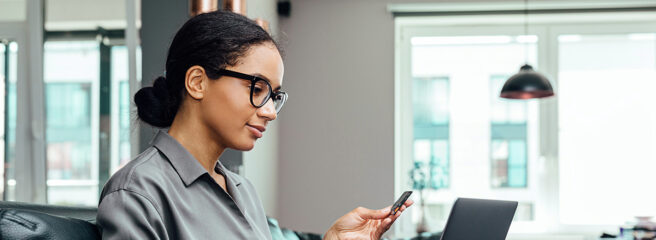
[196,82]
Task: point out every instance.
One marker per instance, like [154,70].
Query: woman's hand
[362,223]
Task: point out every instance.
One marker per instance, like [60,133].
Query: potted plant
[425,177]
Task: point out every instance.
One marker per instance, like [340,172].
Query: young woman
[222,86]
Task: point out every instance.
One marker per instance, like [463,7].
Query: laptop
[479,219]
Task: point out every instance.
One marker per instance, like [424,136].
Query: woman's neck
[198,140]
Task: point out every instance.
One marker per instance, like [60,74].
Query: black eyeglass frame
[255,79]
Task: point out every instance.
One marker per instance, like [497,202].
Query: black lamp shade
[527,84]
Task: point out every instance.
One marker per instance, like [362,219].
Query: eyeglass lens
[260,93]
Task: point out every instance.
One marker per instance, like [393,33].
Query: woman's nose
[268,111]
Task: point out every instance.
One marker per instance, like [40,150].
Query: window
[431,131]
[568,160]
[71,75]
[466,140]
[508,132]
[58,141]
[87,118]
[8,76]
[120,95]
[607,125]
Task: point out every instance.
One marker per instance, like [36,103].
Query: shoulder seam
[152,203]
[148,157]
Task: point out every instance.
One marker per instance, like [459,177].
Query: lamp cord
[526,31]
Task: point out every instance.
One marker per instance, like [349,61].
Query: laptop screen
[479,219]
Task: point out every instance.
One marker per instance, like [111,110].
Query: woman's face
[226,108]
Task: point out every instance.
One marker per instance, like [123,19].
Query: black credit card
[399,203]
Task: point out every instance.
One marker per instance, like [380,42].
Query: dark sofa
[33,221]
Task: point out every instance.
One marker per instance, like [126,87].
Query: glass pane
[499,163]
[430,101]
[8,76]
[120,108]
[422,154]
[524,212]
[431,168]
[505,110]
[2,118]
[71,77]
[475,57]
[607,122]
[431,130]
[509,163]
[517,164]
[422,151]
[499,109]
[508,120]
[439,164]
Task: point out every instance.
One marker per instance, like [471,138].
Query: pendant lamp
[527,83]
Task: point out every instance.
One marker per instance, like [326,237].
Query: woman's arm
[124,214]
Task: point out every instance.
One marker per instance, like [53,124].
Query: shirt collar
[187,167]
[226,173]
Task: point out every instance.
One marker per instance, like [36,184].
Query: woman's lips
[256,130]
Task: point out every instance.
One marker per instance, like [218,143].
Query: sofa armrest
[26,224]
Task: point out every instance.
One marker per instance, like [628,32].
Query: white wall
[336,131]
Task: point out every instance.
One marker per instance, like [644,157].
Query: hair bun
[153,105]
[160,85]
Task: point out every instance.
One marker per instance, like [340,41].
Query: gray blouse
[164,193]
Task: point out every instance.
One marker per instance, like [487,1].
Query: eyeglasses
[261,90]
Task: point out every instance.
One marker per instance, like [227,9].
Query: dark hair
[211,40]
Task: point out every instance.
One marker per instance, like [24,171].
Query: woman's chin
[245,146]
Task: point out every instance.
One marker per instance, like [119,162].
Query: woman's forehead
[263,61]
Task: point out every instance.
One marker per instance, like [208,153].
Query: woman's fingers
[371,214]
[397,215]
[381,213]
[406,205]
[403,208]
[388,208]
[387,222]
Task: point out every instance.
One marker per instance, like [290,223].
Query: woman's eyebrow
[266,79]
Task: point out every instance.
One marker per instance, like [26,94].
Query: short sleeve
[124,214]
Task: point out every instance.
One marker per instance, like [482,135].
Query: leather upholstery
[82,213]
[28,224]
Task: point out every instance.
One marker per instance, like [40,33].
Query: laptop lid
[479,219]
